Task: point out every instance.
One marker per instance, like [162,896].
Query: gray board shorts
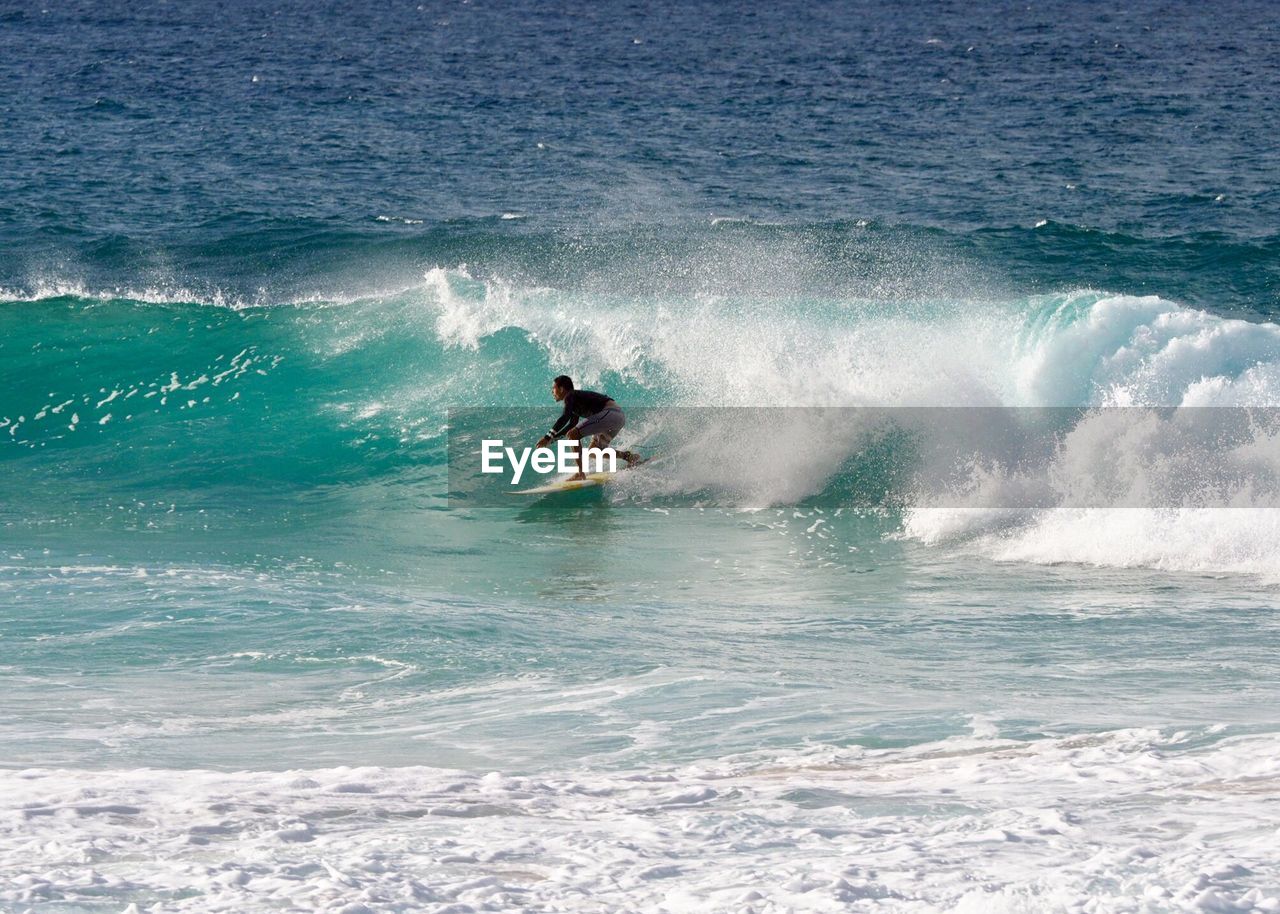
[602,426]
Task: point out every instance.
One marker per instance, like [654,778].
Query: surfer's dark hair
[564,381]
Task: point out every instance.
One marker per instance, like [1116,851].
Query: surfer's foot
[579,475]
[631,458]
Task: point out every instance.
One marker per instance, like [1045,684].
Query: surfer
[602,420]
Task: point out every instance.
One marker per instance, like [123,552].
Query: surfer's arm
[563,424]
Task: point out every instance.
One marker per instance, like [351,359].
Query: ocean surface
[253,655]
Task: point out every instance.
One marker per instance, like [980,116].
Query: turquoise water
[254,656]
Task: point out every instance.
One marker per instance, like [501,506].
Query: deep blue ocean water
[254,657]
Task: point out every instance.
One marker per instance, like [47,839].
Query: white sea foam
[1085,349]
[1213,541]
[1122,821]
[1081,349]
[708,350]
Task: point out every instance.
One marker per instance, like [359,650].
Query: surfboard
[567,484]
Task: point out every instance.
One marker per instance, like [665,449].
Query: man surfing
[602,420]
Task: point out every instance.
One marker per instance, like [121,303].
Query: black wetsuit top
[578,404]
